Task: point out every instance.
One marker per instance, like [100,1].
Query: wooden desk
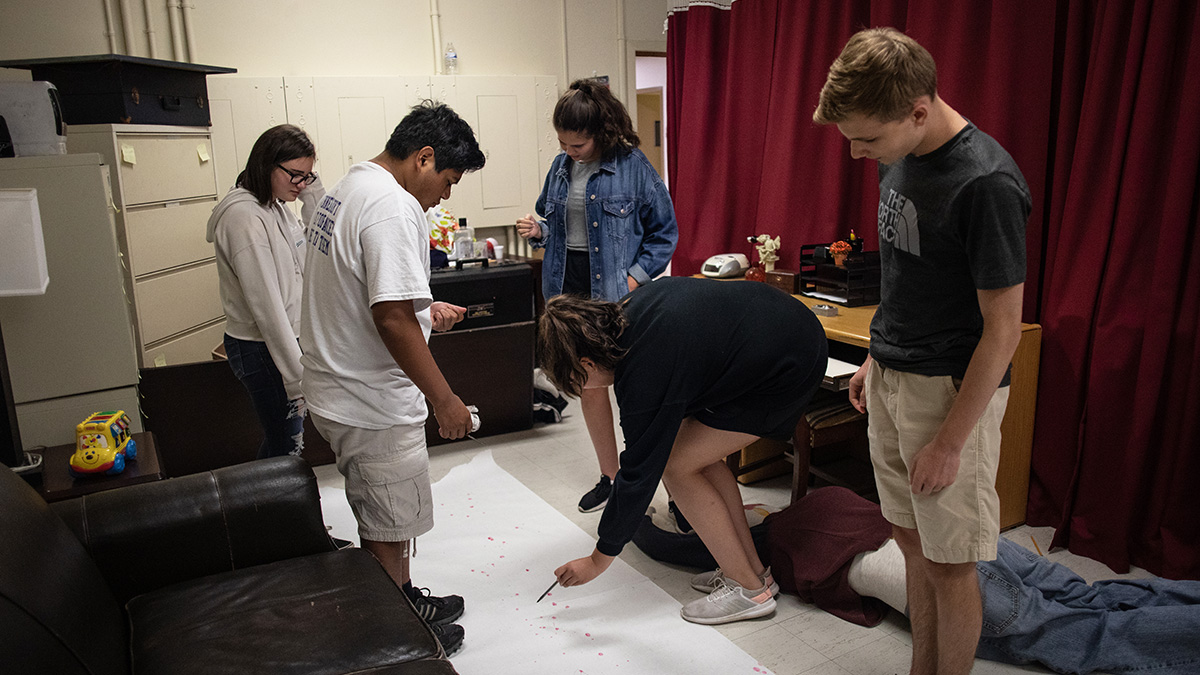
[58,484]
[852,326]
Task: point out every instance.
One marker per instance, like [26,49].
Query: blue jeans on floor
[1035,610]
[282,420]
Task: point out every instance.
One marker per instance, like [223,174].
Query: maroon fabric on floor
[812,544]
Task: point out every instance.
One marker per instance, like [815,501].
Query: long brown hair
[275,146]
[573,327]
[590,108]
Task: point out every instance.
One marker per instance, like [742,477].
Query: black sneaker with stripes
[450,636]
[437,611]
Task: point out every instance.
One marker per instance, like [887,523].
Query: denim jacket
[631,233]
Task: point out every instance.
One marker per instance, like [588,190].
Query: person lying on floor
[701,368]
[832,547]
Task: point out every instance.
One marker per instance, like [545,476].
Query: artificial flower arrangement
[442,226]
[839,250]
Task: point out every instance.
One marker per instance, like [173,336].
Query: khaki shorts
[387,478]
[962,522]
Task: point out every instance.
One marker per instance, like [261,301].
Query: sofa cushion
[336,612]
[57,614]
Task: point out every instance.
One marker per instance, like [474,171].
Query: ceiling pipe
[173,10]
[109,31]
[150,43]
[189,37]
[127,27]
[435,19]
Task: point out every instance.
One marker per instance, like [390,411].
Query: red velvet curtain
[1096,101]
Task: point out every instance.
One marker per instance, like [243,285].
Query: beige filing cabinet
[71,350]
[164,188]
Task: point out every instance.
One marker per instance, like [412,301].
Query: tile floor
[557,463]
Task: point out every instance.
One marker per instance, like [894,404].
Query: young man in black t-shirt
[952,213]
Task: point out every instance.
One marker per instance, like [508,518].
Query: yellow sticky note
[202,151]
[127,154]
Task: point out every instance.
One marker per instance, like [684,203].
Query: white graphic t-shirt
[368,242]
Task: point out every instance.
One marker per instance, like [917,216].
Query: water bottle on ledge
[451,59]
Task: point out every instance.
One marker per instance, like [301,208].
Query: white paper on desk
[497,543]
[835,369]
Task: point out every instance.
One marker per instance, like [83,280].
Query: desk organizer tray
[853,284]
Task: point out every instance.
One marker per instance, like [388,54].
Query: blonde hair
[879,74]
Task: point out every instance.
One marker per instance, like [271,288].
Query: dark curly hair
[590,108]
[573,327]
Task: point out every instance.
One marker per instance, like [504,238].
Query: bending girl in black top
[701,369]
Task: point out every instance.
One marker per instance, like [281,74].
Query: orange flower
[839,247]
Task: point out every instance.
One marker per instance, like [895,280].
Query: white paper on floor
[497,544]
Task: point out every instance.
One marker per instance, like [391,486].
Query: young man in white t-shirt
[365,326]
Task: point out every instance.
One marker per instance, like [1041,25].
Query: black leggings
[577,279]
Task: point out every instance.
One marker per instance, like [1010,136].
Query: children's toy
[103,443]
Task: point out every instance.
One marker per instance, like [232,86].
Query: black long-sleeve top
[737,356]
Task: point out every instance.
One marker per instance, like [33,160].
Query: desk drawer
[176,301]
[165,236]
[166,167]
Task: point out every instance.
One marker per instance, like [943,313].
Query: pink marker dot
[501,556]
[490,539]
[600,653]
[588,634]
[526,569]
[554,603]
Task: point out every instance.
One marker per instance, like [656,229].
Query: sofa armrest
[144,537]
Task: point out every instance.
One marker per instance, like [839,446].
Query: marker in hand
[547,591]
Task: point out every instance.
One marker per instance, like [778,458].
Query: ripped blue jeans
[1038,611]
[282,420]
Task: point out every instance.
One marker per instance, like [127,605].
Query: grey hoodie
[260,264]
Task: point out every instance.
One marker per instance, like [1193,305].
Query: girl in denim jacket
[607,226]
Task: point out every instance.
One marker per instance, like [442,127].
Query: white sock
[880,574]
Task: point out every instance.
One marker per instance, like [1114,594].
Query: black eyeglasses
[298,177]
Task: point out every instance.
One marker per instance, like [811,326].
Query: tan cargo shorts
[387,478]
[960,523]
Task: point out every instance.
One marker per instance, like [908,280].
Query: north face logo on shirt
[898,223]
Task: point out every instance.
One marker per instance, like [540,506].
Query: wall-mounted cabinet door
[242,108]
[509,119]
[354,116]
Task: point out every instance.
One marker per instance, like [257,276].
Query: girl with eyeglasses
[260,263]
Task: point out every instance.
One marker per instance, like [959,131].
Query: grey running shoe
[450,635]
[707,582]
[597,497]
[729,602]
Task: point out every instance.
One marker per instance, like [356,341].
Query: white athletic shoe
[729,602]
[706,582]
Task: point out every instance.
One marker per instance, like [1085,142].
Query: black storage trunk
[497,295]
[119,89]
[853,284]
[487,358]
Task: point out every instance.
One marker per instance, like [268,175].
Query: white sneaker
[706,582]
[727,603]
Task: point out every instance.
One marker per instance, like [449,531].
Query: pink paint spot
[501,556]
[588,634]
[556,604]
[600,653]
[526,569]
[490,539]
[472,506]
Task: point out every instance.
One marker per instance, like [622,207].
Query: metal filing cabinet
[164,189]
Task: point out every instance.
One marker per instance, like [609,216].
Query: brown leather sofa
[229,571]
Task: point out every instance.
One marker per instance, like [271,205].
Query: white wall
[562,38]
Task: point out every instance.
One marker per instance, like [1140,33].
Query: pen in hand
[547,591]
